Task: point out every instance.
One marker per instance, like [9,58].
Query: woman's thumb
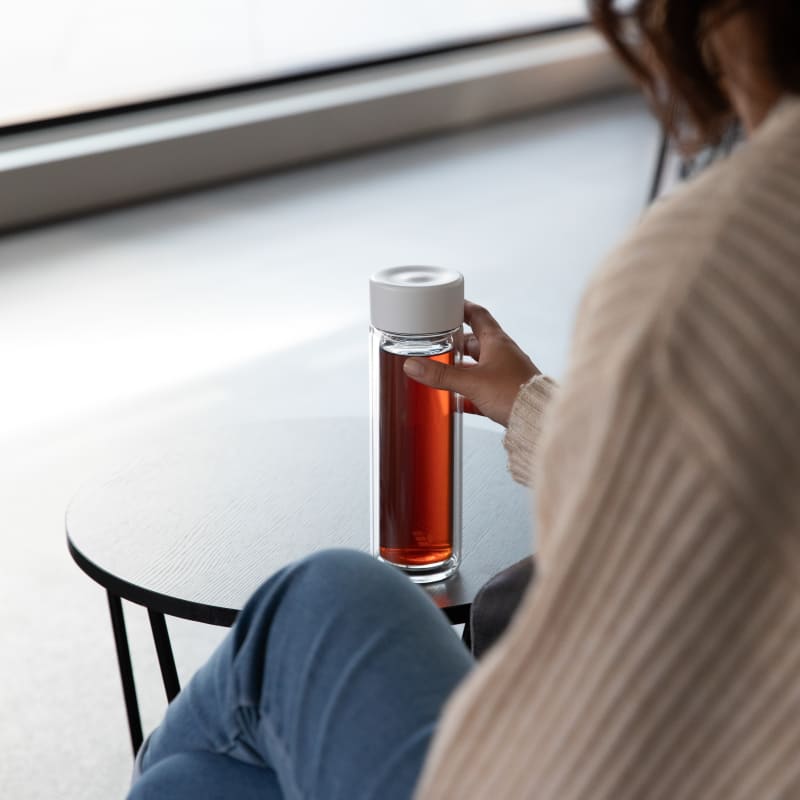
[435,374]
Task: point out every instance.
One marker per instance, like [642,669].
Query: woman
[658,654]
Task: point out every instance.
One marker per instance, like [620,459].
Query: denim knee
[337,571]
[337,567]
[341,576]
[328,582]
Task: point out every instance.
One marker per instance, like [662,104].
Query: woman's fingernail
[412,369]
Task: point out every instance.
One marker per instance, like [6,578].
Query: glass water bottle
[416,431]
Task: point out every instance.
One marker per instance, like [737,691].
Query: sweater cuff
[525,425]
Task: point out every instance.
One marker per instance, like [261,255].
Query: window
[66,57]
[107,103]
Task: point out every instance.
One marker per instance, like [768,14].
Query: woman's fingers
[438,375]
[443,376]
[490,384]
[480,320]
[472,346]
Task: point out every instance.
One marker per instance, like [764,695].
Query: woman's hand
[491,385]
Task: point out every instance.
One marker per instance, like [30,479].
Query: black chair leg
[126,671]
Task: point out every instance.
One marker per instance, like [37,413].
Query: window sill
[111,161]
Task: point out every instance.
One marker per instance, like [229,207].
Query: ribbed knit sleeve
[657,654]
[525,426]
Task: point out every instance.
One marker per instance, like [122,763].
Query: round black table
[193,531]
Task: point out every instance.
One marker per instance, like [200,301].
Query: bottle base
[430,573]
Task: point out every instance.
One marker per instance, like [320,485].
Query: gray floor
[248,302]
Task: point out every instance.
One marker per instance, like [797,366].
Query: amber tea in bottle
[416,430]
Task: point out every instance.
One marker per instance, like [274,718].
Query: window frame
[102,160]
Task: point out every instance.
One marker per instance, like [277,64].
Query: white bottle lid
[416,300]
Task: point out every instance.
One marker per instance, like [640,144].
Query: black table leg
[166,660]
[466,635]
[126,671]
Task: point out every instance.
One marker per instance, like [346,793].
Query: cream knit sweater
[657,656]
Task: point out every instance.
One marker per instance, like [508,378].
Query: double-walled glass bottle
[416,430]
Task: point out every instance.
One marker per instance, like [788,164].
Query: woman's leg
[333,676]
[205,776]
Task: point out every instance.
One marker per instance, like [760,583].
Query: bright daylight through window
[67,57]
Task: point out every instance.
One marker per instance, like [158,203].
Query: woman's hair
[665,43]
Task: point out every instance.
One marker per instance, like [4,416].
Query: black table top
[194,531]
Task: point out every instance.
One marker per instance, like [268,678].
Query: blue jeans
[328,686]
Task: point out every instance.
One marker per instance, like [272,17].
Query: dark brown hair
[664,42]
